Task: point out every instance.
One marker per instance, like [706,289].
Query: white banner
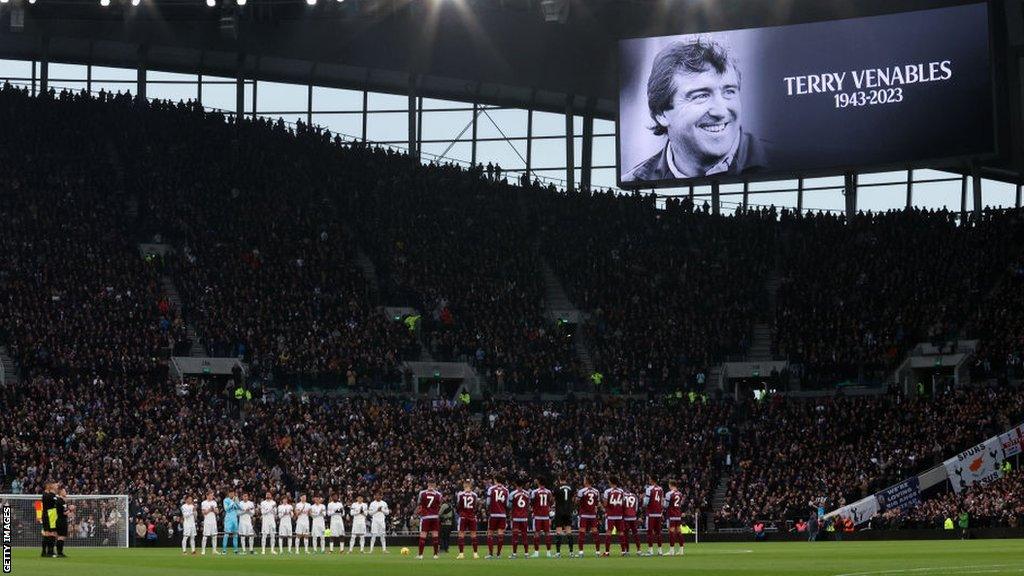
[979,464]
[1011,441]
[861,511]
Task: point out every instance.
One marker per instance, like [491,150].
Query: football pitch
[904,558]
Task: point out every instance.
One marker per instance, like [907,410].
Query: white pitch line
[970,569]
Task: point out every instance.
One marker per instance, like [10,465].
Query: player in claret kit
[588,499]
[654,506]
[674,511]
[613,497]
[630,509]
[519,510]
[429,511]
[497,515]
[541,498]
[466,503]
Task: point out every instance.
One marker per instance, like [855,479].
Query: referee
[49,519]
[62,521]
[564,497]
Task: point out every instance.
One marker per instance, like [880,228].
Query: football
[404,551]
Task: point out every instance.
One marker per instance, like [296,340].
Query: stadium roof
[499,52]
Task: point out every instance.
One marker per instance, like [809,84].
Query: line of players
[535,510]
[310,523]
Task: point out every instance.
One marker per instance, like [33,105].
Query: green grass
[921,558]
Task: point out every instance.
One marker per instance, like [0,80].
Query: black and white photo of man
[694,95]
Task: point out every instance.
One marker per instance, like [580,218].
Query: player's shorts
[358,527]
[520,524]
[588,524]
[302,525]
[377,528]
[654,523]
[542,524]
[285,529]
[337,526]
[318,527]
[231,526]
[62,528]
[630,525]
[563,520]
[430,525]
[209,528]
[245,527]
[188,529]
[467,524]
[674,524]
[613,524]
[268,527]
[497,523]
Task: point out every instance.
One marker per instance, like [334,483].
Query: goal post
[93,519]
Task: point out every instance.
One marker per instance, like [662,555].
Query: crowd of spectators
[75,295]
[266,224]
[997,504]
[840,449]
[856,296]
[669,292]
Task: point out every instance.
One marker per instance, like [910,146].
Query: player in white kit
[284,525]
[302,522]
[378,529]
[336,511]
[188,525]
[318,511]
[246,510]
[209,509]
[268,523]
[358,511]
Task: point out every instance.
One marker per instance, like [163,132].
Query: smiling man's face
[703,123]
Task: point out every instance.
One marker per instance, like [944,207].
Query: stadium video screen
[805,99]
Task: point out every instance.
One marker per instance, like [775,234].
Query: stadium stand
[266,223]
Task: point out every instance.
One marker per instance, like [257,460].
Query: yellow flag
[615,530]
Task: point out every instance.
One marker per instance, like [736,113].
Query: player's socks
[490,545]
[332,546]
[384,543]
[462,544]
[437,545]
[558,543]
[473,540]
[501,544]
[423,542]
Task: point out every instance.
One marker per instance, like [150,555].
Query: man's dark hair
[692,56]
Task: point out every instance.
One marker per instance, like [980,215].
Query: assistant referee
[49,519]
[62,521]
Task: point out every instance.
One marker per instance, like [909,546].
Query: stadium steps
[718,500]
[167,285]
[117,168]
[714,379]
[558,305]
[762,345]
[369,270]
[8,369]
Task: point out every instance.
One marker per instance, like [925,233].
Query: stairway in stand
[167,285]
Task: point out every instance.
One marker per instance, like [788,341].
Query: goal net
[93,520]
